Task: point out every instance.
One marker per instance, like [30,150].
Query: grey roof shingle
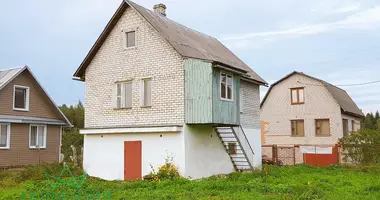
[344,100]
[7,75]
[187,42]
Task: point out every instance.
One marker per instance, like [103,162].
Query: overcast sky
[334,40]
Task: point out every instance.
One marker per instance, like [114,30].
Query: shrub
[166,171]
[362,148]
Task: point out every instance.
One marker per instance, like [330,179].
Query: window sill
[323,136]
[297,136]
[4,148]
[229,100]
[297,103]
[146,106]
[129,48]
[35,148]
[21,109]
[130,108]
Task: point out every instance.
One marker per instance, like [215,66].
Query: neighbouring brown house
[30,122]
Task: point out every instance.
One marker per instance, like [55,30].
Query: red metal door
[132,160]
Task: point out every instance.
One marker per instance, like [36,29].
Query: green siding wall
[198,92]
[225,112]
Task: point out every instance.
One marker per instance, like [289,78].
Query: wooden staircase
[237,146]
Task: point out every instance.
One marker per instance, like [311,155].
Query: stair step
[239,159]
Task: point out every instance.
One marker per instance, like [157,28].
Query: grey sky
[335,40]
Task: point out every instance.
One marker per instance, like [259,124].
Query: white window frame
[220,86]
[142,92]
[26,100]
[8,135]
[30,134]
[122,95]
[125,38]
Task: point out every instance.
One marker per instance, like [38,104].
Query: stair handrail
[247,141]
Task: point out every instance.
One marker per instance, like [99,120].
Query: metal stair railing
[244,144]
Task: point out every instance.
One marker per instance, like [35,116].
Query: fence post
[294,155]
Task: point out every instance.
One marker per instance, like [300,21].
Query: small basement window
[21,98]
[226,86]
[297,95]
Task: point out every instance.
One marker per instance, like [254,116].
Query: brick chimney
[160,8]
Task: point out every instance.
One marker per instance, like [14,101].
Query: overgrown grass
[296,182]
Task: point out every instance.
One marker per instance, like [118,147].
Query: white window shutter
[142,92]
[123,40]
[123,95]
[113,95]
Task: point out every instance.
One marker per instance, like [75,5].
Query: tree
[368,122]
[71,136]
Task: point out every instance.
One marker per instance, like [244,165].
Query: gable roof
[344,100]
[7,75]
[187,42]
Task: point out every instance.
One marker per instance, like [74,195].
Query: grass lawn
[296,182]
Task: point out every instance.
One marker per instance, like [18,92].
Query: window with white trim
[37,136]
[123,95]
[146,92]
[21,98]
[5,130]
[226,86]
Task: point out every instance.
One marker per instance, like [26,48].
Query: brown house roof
[7,75]
[187,42]
[347,105]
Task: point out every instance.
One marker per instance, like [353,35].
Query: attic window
[130,39]
[297,95]
[21,98]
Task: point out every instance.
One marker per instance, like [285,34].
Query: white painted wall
[254,138]
[204,153]
[104,156]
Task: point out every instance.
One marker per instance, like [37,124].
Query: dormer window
[297,95]
[21,98]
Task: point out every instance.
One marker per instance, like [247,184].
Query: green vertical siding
[198,92]
[225,112]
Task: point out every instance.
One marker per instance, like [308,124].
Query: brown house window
[322,127]
[298,128]
[37,136]
[21,98]
[4,136]
[297,95]
[353,125]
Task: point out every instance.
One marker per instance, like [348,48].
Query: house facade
[157,89]
[30,123]
[303,110]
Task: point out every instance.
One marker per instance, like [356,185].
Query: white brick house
[143,101]
[302,110]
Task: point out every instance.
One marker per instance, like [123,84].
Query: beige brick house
[155,88]
[302,110]
[30,122]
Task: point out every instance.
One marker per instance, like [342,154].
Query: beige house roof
[187,42]
[347,105]
[7,75]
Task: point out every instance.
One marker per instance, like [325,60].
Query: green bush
[362,148]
